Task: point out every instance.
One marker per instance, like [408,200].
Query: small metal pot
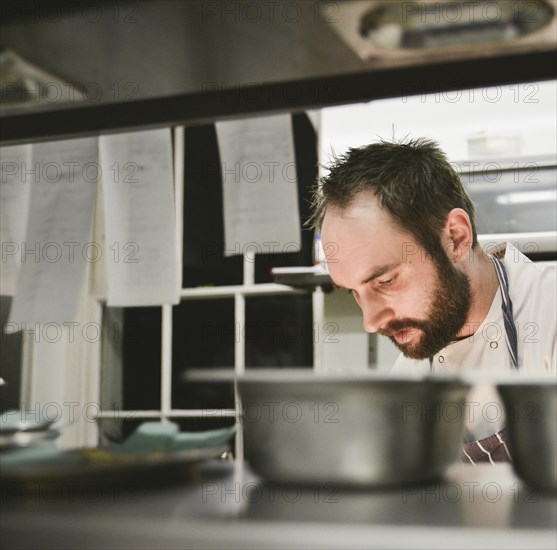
[531,410]
[367,430]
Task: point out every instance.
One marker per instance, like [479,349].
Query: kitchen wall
[527,110]
[519,122]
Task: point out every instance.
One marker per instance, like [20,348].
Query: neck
[484,284]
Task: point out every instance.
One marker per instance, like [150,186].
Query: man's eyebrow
[379,271]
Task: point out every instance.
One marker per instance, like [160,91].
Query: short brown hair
[413,181]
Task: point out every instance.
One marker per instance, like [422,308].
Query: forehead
[362,217]
[361,237]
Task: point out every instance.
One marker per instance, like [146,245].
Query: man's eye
[387,282]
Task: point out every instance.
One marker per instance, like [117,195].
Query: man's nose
[375,314]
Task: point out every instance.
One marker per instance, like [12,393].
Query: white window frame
[78,366]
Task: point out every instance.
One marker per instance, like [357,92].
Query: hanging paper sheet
[260,192]
[15,184]
[57,249]
[138,199]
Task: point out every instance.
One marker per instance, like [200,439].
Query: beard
[450,304]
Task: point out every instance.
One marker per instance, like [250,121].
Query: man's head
[397,226]
[412,181]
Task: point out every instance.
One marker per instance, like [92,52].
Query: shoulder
[532,287]
[533,290]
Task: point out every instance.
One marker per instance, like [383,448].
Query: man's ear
[458,235]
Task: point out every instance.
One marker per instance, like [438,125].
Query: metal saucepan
[357,430]
[531,411]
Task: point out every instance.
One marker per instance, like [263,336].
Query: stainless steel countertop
[223,505]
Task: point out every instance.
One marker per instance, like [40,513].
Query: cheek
[416,301]
[426,297]
[414,306]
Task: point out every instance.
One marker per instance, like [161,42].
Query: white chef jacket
[533,291]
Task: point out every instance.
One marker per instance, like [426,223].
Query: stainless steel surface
[366,430]
[531,410]
[226,506]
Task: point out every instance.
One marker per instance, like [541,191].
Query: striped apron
[494,448]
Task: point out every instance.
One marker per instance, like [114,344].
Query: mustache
[402,324]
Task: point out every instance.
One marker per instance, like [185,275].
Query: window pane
[278,331]
[131,358]
[202,347]
[10,359]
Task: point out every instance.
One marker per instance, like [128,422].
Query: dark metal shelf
[196,108]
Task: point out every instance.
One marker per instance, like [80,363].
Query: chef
[398,231]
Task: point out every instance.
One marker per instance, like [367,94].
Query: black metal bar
[210,104]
